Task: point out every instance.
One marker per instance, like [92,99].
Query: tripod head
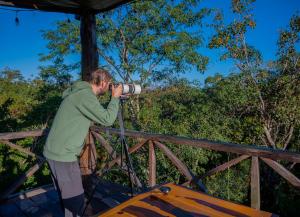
[123,98]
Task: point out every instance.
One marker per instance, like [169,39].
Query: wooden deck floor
[44,201]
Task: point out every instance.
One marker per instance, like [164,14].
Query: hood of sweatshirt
[76,87]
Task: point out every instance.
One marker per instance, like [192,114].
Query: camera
[128,88]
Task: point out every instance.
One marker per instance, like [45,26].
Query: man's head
[100,80]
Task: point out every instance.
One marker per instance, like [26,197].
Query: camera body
[128,88]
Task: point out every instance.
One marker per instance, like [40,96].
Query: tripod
[124,147]
[124,150]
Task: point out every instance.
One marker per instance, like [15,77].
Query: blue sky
[20,45]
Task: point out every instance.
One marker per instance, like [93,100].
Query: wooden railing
[153,141]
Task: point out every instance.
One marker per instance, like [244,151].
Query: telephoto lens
[129,88]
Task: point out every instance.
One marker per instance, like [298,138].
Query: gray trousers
[67,179]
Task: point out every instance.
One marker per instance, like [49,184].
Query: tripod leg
[131,173]
[129,165]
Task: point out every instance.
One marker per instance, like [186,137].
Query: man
[79,108]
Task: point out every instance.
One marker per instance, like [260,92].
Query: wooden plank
[255,184]
[152,165]
[20,135]
[19,148]
[22,179]
[225,165]
[212,145]
[89,50]
[181,166]
[281,170]
[30,193]
[39,202]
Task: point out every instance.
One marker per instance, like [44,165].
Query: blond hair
[99,75]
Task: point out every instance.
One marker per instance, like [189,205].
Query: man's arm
[93,110]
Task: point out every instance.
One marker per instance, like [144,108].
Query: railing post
[87,162]
[255,184]
[88,156]
[152,165]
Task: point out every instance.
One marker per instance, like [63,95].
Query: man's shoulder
[83,94]
[83,97]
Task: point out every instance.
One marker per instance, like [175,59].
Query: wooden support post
[89,50]
[22,179]
[88,163]
[181,166]
[88,156]
[281,170]
[225,165]
[255,184]
[152,165]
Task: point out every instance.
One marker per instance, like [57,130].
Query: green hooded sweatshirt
[79,108]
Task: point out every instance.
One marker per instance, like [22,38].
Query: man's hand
[116,91]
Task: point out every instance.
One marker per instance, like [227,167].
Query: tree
[16,99]
[141,40]
[272,97]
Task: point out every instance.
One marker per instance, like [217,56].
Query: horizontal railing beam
[207,144]
[200,143]
[24,134]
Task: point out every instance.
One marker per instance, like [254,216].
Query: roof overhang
[65,6]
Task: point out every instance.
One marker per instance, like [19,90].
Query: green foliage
[231,37]
[13,164]
[24,105]
[16,99]
[222,184]
[288,41]
[63,41]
